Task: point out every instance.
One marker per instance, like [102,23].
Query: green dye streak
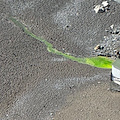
[100,62]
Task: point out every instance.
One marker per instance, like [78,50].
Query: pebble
[101,8]
[59,113]
[98,8]
[97,47]
[115,31]
[51,114]
[105,3]
[77,14]
[112,26]
[108,89]
[108,55]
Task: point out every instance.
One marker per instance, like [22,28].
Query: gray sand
[35,84]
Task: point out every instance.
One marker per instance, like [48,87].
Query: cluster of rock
[102,8]
[110,46]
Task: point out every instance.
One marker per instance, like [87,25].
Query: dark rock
[108,55]
[101,54]
[97,47]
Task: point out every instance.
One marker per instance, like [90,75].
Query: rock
[102,8]
[117,53]
[115,31]
[101,54]
[101,47]
[51,114]
[112,26]
[108,55]
[107,30]
[105,3]
[98,9]
[97,47]
[108,89]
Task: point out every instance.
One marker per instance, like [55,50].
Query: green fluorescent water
[100,62]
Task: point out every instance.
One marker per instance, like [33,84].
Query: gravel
[110,45]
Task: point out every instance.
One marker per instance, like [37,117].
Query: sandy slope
[34,83]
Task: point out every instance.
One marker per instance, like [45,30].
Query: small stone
[99,8]
[108,89]
[98,82]
[51,114]
[97,47]
[101,54]
[77,14]
[100,47]
[115,31]
[112,26]
[105,3]
[107,48]
[108,55]
[106,30]
[102,8]
[68,53]
[117,54]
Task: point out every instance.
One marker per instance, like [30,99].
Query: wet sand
[36,84]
